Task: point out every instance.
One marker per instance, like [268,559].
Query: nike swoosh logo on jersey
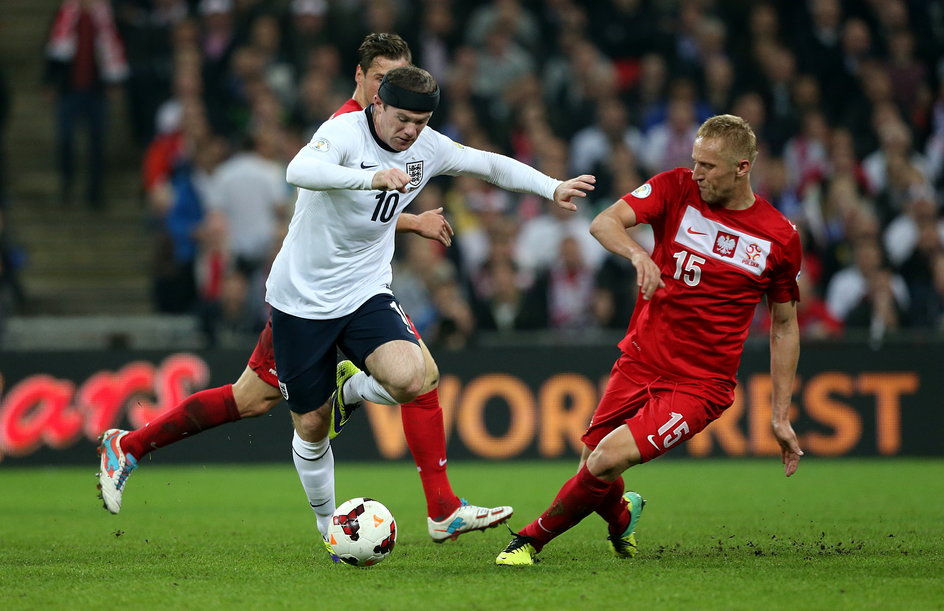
[442,462]
[654,444]
[693,232]
[365,166]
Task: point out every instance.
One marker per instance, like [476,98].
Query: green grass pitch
[736,534]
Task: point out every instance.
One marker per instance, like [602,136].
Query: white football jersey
[340,241]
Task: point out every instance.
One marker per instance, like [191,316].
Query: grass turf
[841,534]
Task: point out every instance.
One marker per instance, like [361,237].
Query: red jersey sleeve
[649,200]
[783,285]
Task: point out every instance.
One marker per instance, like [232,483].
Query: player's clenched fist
[391,179]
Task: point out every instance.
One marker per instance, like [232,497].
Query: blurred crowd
[847,99]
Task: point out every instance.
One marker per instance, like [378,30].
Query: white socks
[362,387]
[314,462]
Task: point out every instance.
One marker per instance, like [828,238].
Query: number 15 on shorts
[680,430]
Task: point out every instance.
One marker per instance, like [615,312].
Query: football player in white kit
[329,286]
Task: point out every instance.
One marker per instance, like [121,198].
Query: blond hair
[738,137]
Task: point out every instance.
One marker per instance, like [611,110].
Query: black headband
[397,96]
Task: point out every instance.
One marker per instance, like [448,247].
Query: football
[362,532]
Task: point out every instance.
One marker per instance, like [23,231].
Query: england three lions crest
[415,170]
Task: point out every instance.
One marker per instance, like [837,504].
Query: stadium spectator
[686,31]
[878,311]
[436,38]
[85,62]
[147,29]
[500,63]
[779,67]
[265,36]
[805,152]
[928,305]
[565,290]
[620,172]
[217,41]
[868,277]
[306,30]
[668,144]
[614,288]
[908,75]
[187,88]
[594,144]
[807,96]
[751,107]
[509,15]
[455,321]
[681,89]
[831,201]
[918,269]
[818,43]
[719,83]
[773,186]
[482,218]
[896,142]
[676,373]
[539,239]
[574,80]
[623,29]
[180,204]
[317,95]
[225,309]
[249,191]
[415,275]
[901,235]
[648,96]
[506,305]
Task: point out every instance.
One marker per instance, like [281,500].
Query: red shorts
[660,413]
[262,359]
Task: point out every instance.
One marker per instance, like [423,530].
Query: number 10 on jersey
[387,202]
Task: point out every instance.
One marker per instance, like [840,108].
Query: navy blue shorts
[306,350]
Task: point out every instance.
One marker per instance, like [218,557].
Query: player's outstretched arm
[784,355]
[431,225]
[609,228]
[512,175]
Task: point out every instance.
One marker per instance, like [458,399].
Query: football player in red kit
[719,249]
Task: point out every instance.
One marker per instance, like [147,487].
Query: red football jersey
[717,264]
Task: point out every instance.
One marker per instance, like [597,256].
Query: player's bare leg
[254,397]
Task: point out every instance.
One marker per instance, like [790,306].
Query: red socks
[577,498]
[613,508]
[426,438]
[198,412]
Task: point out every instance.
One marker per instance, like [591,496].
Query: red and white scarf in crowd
[109,51]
